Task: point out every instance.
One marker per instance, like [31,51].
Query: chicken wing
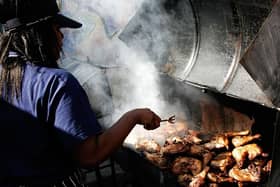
[199,179]
[217,142]
[242,140]
[219,178]
[250,174]
[146,145]
[241,154]
[183,165]
[223,161]
[172,149]
[237,133]
[157,159]
[267,167]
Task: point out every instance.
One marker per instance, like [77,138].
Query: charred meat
[242,140]
[237,133]
[174,140]
[217,142]
[199,179]
[183,165]
[267,167]
[250,174]
[157,159]
[223,161]
[172,149]
[149,146]
[184,179]
[219,178]
[192,137]
[241,154]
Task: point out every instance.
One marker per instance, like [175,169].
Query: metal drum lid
[200,42]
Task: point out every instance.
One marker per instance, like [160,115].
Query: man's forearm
[94,150]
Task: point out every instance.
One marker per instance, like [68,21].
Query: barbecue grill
[221,60]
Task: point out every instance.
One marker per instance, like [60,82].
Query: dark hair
[35,44]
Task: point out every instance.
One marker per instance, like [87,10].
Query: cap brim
[64,21]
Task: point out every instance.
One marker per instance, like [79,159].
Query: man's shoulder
[50,73]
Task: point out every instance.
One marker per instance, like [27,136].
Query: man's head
[16,14]
[34,24]
[31,30]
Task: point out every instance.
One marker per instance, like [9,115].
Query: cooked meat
[146,145]
[175,148]
[213,185]
[183,165]
[237,133]
[260,161]
[174,140]
[192,137]
[250,174]
[242,140]
[267,167]
[157,159]
[184,179]
[199,179]
[250,151]
[197,150]
[219,178]
[206,158]
[223,161]
[217,142]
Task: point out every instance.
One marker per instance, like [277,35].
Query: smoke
[132,77]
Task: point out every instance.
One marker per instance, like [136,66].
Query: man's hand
[147,118]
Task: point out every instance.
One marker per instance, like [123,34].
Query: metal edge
[197,37]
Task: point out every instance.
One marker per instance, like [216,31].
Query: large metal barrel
[201,42]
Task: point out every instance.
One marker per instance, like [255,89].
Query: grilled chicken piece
[146,145]
[173,140]
[237,133]
[184,179]
[219,178]
[199,179]
[206,158]
[183,165]
[267,167]
[175,148]
[242,140]
[250,174]
[223,161]
[197,150]
[217,142]
[157,159]
[260,161]
[250,151]
[192,137]
[213,185]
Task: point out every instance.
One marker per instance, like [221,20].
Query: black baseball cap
[16,14]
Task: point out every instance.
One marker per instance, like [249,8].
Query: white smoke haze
[131,77]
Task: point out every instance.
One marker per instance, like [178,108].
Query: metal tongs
[170,119]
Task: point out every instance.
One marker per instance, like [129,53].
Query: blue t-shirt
[40,130]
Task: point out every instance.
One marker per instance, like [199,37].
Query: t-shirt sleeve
[74,120]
